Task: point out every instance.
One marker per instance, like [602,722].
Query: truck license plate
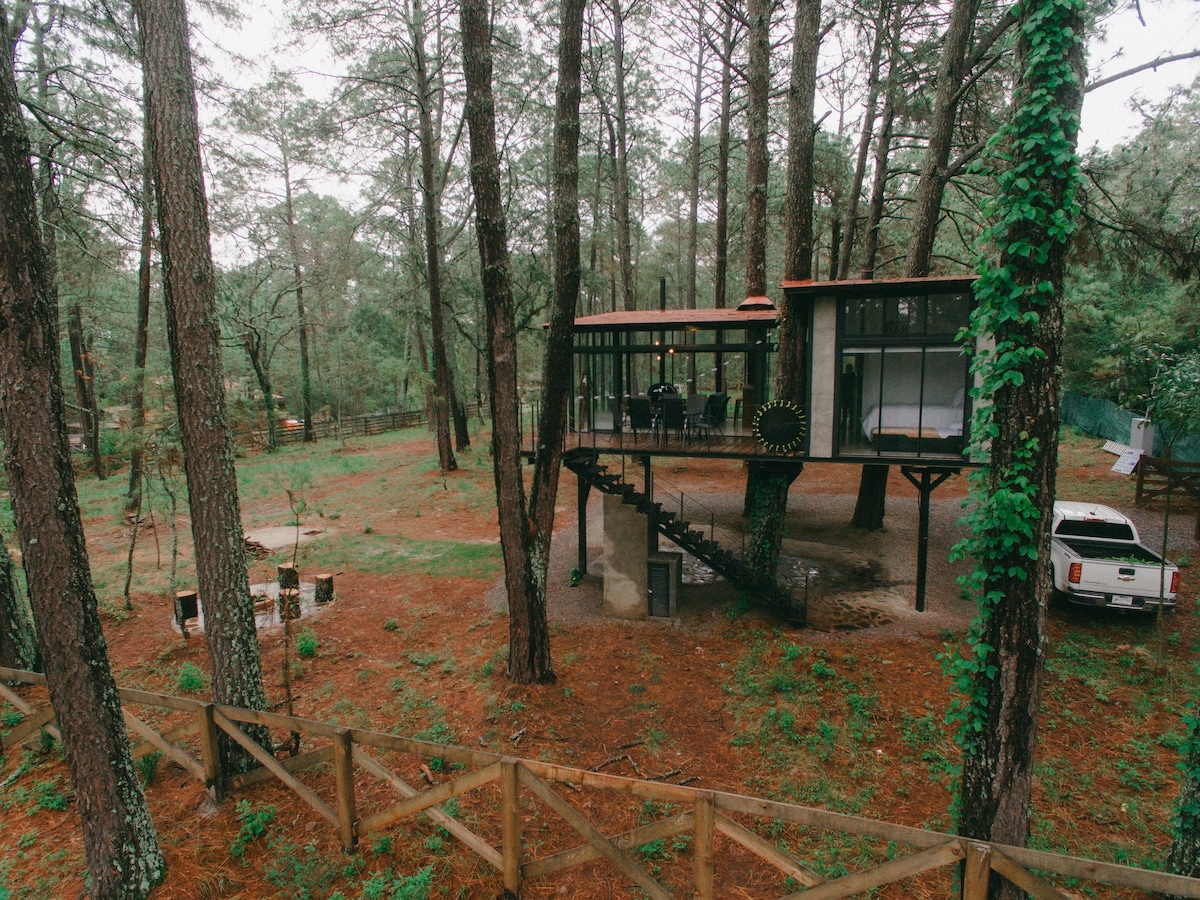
[1122,600]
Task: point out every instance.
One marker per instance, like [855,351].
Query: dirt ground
[422,652]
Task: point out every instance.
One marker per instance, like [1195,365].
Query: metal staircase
[760,588]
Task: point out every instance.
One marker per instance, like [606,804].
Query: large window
[903,379]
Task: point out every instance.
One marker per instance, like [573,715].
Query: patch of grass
[190,679]
[391,625]
[377,554]
[307,643]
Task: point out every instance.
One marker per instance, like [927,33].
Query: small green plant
[147,766]
[254,824]
[307,643]
[573,577]
[10,718]
[391,625]
[382,845]
[191,680]
[637,689]
[47,795]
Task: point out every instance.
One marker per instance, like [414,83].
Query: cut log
[289,604]
[289,577]
[324,589]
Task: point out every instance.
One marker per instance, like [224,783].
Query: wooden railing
[1155,477]
[375,423]
[505,829]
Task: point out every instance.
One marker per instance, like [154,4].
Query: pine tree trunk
[1185,849]
[721,216]
[758,84]
[870,111]
[306,408]
[872,498]
[879,180]
[142,335]
[122,850]
[621,160]
[18,637]
[1005,697]
[798,224]
[194,336]
[431,214]
[931,183]
[529,634]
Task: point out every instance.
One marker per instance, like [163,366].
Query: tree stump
[289,604]
[289,577]
[324,592]
[187,606]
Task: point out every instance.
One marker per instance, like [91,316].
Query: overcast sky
[1170,28]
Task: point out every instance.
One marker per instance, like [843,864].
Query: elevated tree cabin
[885,381]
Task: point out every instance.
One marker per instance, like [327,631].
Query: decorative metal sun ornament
[780,426]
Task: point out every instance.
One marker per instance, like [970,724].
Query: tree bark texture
[142,336]
[932,181]
[1185,849]
[193,333]
[18,637]
[758,84]
[998,759]
[431,214]
[721,215]
[798,224]
[872,498]
[260,362]
[621,159]
[870,111]
[119,839]
[883,144]
[529,635]
[306,407]
[557,387]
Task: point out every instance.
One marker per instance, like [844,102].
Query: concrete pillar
[626,542]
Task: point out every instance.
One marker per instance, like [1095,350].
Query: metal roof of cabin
[882,287]
[656,319]
[760,311]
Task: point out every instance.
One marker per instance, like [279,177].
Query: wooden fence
[1155,476]
[505,821]
[375,423]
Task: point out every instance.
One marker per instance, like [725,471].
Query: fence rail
[507,789]
[347,426]
[1156,477]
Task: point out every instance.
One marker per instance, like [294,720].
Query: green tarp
[1103,418]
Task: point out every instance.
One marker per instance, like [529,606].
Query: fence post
[702,862]
[343,765]
[210,752]
[976,869]
[510,827]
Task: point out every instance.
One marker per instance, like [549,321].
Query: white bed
[914,420]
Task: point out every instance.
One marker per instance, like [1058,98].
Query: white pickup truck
[1099,561]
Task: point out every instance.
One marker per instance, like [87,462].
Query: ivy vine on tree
[1019,309]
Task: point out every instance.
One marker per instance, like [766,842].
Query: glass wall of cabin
[903,378]
[612,366]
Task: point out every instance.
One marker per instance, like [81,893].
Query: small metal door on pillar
[663,576]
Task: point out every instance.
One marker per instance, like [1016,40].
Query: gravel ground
[817,527]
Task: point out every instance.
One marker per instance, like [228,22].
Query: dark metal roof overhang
[883,287]
[666,320]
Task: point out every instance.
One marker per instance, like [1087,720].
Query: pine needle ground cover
[723,698]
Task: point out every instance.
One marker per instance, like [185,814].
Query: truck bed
[1090,548]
